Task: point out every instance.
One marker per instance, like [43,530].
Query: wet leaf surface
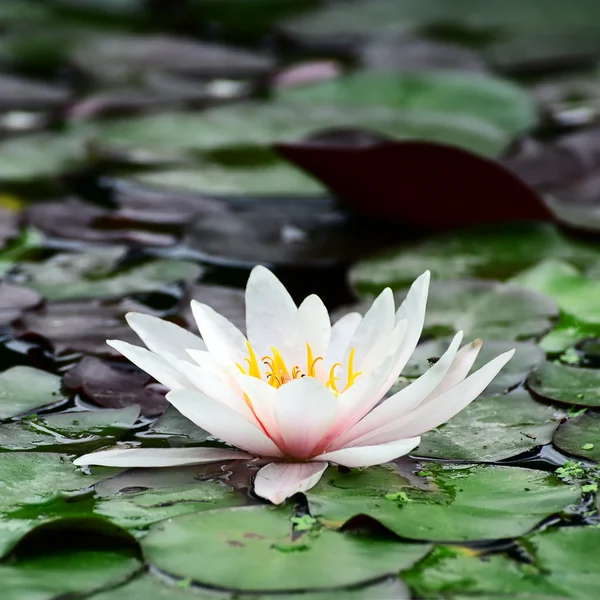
[463,503]
[580,436]
[260,539]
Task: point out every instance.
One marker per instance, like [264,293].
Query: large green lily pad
[580,436]
[565,384]
[492,429]
[496,252]
[252,548]
[174,430]
[94,274]
[461,503]
[25,389]
[471,95]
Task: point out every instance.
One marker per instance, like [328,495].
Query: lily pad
[68,432]
[496,252]
[580,436]
[576,294]
[563,568]
[526,358]
[492,311]
[95,274]
[62,574]
[174,430]
[492,429]
[462,503]
[560,383]
[171,136]
[259,542]
[452,93]
[24,389]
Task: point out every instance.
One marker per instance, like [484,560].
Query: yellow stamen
[332,378]
[310,361]
[253,369]
[241,368]
[351,375]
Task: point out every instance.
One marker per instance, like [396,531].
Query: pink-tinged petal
[377,324]
[214,384]
[367,456]
[313,327]
[156,366]
[221,336]
[304,410]
[404,401]
[386,347]
[341,334]
[223,422]
[278,481]
[459,369]
[161,336]
[262,399]
[158,457]
[269,311]
[429,415]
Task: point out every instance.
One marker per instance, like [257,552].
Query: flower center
[277,372]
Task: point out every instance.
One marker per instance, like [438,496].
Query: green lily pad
[177,136]
[492,429]
[564,567]
[580,436]
[93,274]
[25,389]
[490,99]
[462,503]
[526,358]
[278,178]
[492,311]
[61,574]
[496,252]
[69,432]
[566,385]
[576,294]
[258,541]
[134,510]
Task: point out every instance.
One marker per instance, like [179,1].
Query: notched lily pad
[25,389]
[470,503]
[560,383]
[259,541]
[14,299]
[580,436]
[492,429]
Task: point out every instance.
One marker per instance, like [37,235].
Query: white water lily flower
[298,391]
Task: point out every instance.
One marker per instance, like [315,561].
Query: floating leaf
[566,385]
[258,541]
[466,503]
[24,389]
[580,436]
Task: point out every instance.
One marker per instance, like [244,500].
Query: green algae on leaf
[580,436]
[466,503]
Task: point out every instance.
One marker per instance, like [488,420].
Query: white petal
[270,311]
[262,398]
[377,323]
[413,310]
[431,414]
[221,336]
[405,400]
[313,327]
[278,481]
[222,422]
[155,365]
[304,410]
[459,369]
[387,346]
[215,384]
[158,457]
[367,456]
[341,334]
[161,336]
